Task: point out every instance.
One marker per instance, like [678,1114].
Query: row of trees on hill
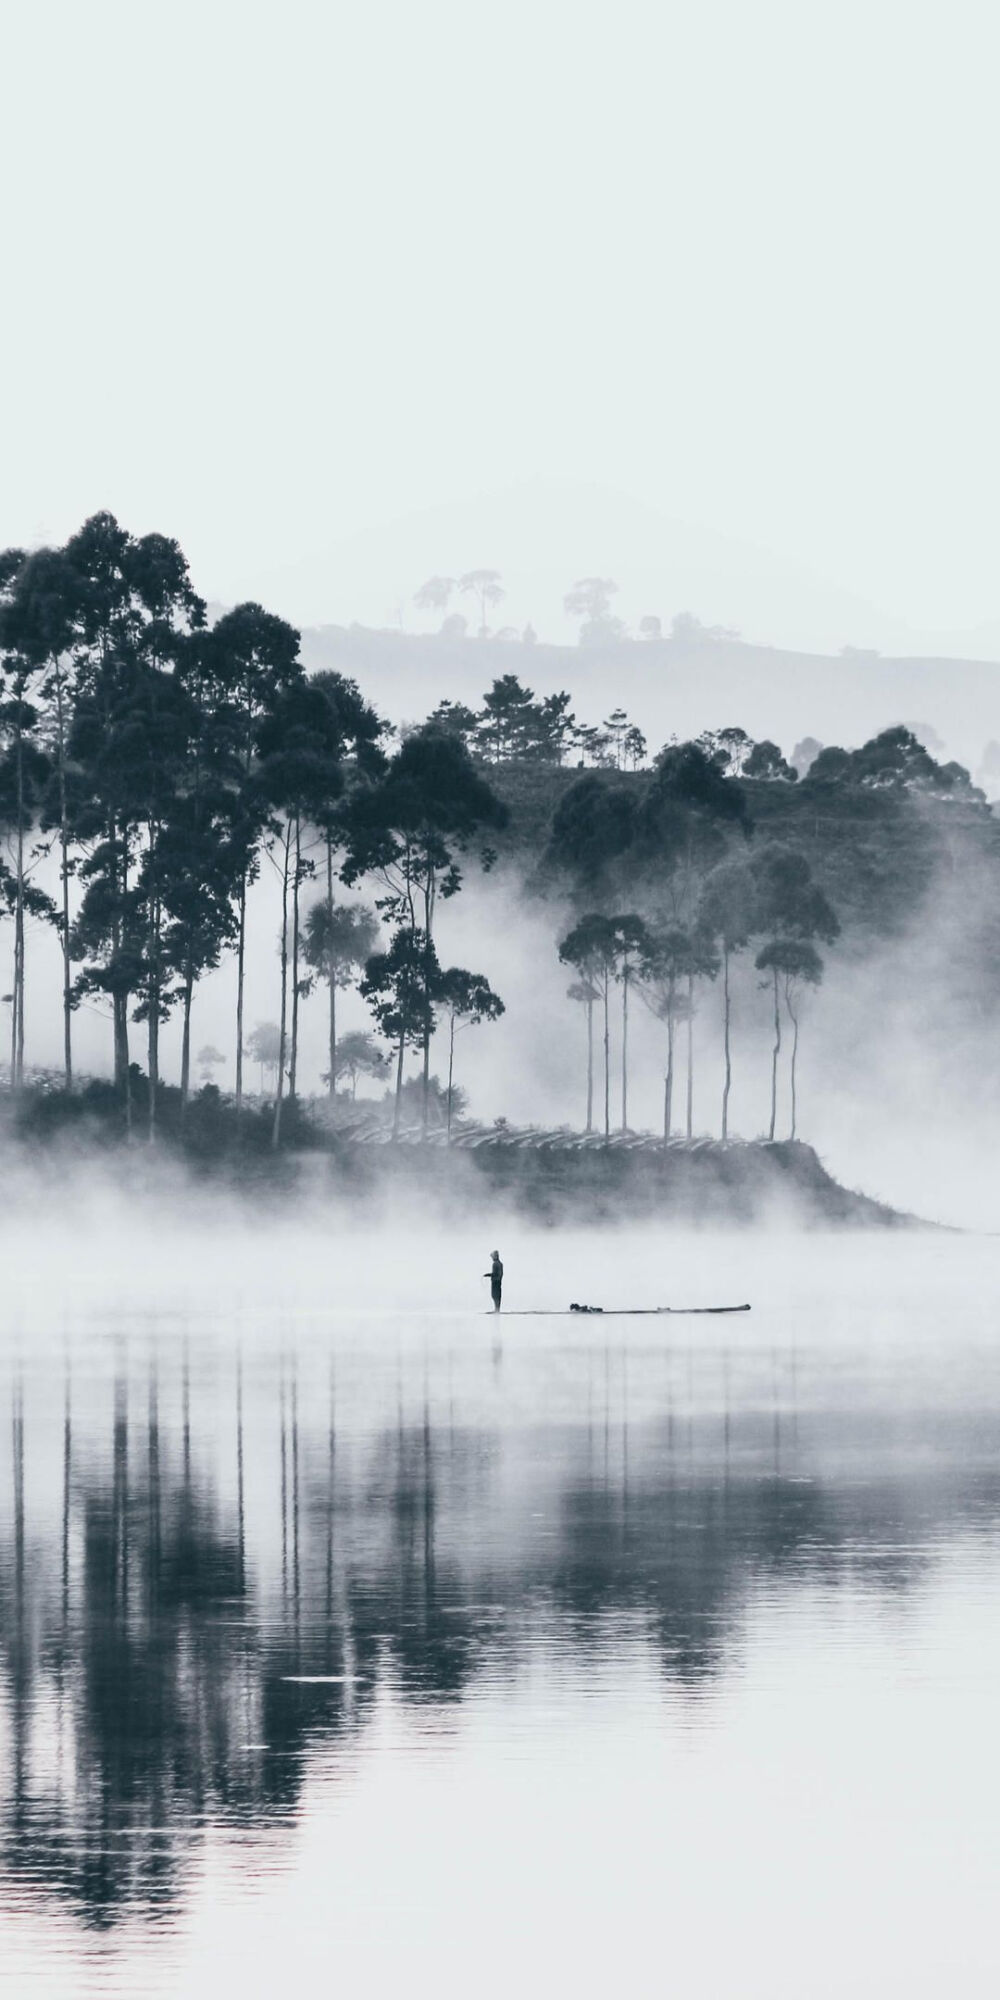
[701,896]
[589,602]
[514,726]
[163,763]
[166,762]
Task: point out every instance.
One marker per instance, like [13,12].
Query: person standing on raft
[495,1276]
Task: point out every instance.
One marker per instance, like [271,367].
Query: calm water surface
[352,1643]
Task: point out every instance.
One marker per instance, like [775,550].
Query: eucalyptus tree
[663,969]
[358,1054]
[631,945]
[796,963]
[792,910]
[688,816]
[338,938]
[298,779]
[209,1060]
[400,986]
[465,997]
[264,1048]
[203,844]
[257,660]
[727,912]
[132,607]
[354,731]
[409,829]
[38,620]
[485,586]
[591,836]
[24,771]
[586,994]
[592,948]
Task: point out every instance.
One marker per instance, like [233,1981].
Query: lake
[353,1639]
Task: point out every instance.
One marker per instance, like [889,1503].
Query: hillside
[876,853]
[678,687]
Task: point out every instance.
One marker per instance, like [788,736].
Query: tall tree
[133,605]
[792,910]
[467,998]
[631,946]
[796,963]
[485,586]
[24,771]
[590,600]
[409,830]
[400,986]
[359,1055]
[727,912]
[666,984]
[592,948]
[299,776]
[38,617]
[337,940]
[586,994]
[257,660]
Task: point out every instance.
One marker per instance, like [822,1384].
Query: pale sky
[702,296]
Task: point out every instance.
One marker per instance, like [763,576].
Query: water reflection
[212,1565]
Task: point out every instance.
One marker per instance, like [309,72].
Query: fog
[726,265]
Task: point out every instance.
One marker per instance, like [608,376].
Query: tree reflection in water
[188,1614]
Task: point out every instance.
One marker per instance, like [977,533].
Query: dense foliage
[159,758]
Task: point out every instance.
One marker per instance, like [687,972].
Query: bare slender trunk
[690,1056]
[153,1018]
[668,1081]
[121,1005]
[333,971]
[451,1068]
[17,1004]
[775,1053]
[64,872]
[294,1064]
[590,1065]
[186,1039]
[397,1107]
[428,919]
[625,1048]
[725,1031]
[240,966]
[793,1017]
[607,1065]
[283,1030]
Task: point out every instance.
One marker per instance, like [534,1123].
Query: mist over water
[350,1634]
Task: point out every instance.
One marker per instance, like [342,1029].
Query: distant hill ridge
[679,686]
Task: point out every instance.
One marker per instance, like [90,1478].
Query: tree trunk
[607,1065]
[625,1048]
[283,1029]
[333,971]
[725,1030]
[793,1017]
[294,1064]
[690,1056]
[428,919]
[240,964]
[451,1069]
[775,1053]
[186,1039]
[64,872]
[397,1107]
[153,1018]
[590,1065]
[17,1007]
[668,1081]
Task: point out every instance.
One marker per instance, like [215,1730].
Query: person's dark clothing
[496,1284]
